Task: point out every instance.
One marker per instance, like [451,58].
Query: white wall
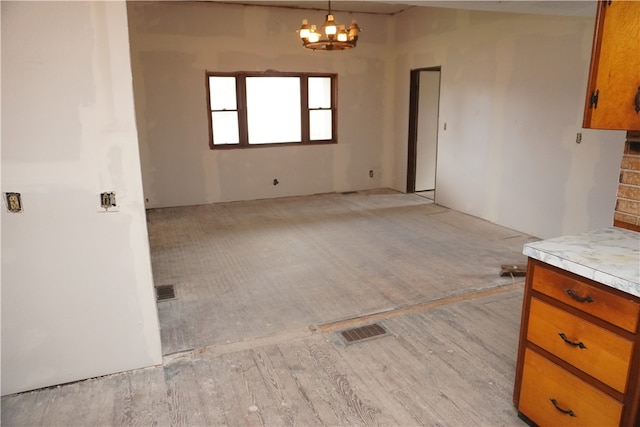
[512,95]
[77,289]
[173,44]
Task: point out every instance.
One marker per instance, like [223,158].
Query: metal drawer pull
[573,343]
[564,411]
[578,298]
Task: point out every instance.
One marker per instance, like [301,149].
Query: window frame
[241,108]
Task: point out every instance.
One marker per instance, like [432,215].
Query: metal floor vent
[165,292]
[363,333]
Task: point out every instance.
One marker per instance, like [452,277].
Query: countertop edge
[595,272]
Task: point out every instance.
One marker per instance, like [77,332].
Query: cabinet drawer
[544,381]
[611,308]
[590,348]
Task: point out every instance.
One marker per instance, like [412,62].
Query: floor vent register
[363,333]
[165,292]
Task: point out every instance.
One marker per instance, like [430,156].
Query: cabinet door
[614,75]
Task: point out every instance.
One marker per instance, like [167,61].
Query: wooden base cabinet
[579,352]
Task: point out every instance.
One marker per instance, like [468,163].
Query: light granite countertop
[610,256]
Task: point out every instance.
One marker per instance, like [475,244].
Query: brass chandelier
[332,37]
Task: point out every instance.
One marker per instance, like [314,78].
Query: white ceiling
[544,7]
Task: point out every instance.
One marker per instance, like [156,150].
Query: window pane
[225,127]
[319,92]
[273,109]
[222,93]
[320,125]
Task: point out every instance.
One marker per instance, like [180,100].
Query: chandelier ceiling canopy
[331,37]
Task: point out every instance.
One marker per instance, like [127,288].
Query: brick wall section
[627,212]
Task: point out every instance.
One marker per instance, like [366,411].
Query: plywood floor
[262,286]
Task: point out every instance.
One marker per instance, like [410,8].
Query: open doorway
[424,99]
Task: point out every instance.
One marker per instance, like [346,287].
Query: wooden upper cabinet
[613,93]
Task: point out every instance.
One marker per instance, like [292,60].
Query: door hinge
[593,103]
[606,3]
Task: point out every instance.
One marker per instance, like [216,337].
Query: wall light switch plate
[14,202]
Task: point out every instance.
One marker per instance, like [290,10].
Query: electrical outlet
[371,173]
[108,200]
[14,202]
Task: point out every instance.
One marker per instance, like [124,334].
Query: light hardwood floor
[263,289]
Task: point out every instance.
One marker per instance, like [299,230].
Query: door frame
[412,149]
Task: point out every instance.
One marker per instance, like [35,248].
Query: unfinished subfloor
[264,287]
[249,269]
